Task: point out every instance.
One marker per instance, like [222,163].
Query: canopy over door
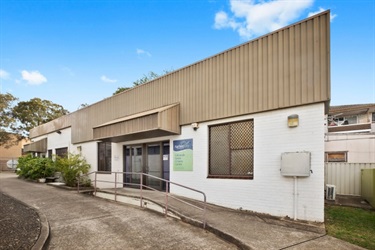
[153,123]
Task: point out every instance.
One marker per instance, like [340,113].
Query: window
[62,152]
[231,150]
[104,156]
[336,156]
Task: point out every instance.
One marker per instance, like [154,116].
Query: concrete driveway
[78,221]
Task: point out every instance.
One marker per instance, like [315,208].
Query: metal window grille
[104,156]
[231,149]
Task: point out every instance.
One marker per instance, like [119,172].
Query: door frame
[145,159]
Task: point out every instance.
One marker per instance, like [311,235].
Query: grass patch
[354,225]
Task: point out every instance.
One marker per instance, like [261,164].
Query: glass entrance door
[154,166]
[133,163]
[150,158]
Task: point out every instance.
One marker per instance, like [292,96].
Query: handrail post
[166,198]
[115,186]
[95,184]
[78,185]
[141,177]
[204,212]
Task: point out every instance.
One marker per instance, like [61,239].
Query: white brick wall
[268,192]
[55,140]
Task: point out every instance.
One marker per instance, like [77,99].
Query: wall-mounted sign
[183,155]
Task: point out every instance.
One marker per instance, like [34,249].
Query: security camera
[195,125]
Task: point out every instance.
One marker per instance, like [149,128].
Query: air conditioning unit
[330,192]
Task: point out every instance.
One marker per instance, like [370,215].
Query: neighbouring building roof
[351,118]
[351,109]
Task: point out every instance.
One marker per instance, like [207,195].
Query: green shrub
[71,168]
[35,168]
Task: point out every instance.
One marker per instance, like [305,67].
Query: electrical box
[296,164]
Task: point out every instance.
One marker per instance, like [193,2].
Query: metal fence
[345,176]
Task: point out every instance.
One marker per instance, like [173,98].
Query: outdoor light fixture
[195,126]
[293,121]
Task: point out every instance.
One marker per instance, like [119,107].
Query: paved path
[83,222]
[252,230]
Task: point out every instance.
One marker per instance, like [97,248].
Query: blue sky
[74,52]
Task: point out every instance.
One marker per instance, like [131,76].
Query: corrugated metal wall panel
[59,123]
[37,146]
[288,67]
[345,176]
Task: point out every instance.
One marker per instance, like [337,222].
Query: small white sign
[165,157]
[12,164]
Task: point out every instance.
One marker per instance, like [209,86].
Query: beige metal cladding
[157,122]
[288,67]
[38,146]
[54,125]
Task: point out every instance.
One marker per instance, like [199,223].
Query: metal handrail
[141,186]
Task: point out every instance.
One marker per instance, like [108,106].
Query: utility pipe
[295,197]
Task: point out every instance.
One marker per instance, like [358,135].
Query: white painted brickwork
[268,192]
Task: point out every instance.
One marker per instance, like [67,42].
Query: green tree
[83,105]
[145,78]
[33,113]
[72,167]
[120,89]
[7,139]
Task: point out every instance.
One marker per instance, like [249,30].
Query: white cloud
[3,74]
[106,79]
[332,16]
[33,77]
[143,52]
[252,18]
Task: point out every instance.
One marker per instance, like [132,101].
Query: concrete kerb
[225,236]
[42,241]
[44,233]
[221,234]
[218,232]
[179,216]
[234,240]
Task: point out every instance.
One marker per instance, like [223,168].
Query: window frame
[345,154]
[63,155]
[101,167]
[230,176]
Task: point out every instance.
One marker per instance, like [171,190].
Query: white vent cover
[295,164]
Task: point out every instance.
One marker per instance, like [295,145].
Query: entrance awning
[153,123]
[36,147]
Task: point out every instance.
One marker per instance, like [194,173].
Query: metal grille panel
[242,135]
[231,149]
[242,162]
[219,150]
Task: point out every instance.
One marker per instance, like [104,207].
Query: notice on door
[183,155]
